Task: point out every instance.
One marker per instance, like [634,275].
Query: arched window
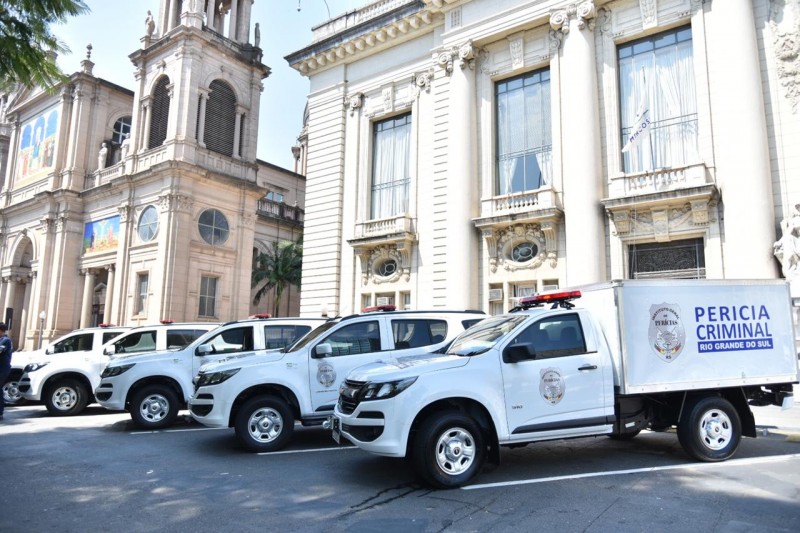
[159,114]
[121,128]
[220,124]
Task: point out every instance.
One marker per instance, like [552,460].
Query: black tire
[448,450]
[11,394]
[710,430]
[154,407]
[66,397]
[264,424]
[623,437]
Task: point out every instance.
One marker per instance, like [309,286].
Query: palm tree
[277,268]
[26,42]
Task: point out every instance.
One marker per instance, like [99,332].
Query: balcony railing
[280,211]
[519,202]
[659,180]
[384,227]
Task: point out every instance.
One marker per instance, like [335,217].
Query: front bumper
[30,389]
[209,408]
[375,427]
[111,394]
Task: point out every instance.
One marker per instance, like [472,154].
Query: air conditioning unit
[495,295]
[383,300]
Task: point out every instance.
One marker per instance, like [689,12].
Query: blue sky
[114,28]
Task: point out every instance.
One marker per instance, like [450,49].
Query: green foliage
[278,267]
[26,42]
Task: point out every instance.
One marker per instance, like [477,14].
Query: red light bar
[167,321]
[106,325]
[549,297]
[379,308]
[262,315]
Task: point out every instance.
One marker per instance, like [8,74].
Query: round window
[387,268]
[524,252]
[148,223]
[213,227]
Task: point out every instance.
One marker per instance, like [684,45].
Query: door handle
[587,367]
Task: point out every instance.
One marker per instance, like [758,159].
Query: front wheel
[66,397]
[154,407]
[264,424]
[448,450]
[11,394]
[711,430]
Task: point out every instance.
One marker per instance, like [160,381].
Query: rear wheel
[11,394]
[449,450]
[711,430]
[264,424]
[154,407]
[66,397]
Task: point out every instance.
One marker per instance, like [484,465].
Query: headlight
[111,371]
[33,367]
[385,389]
[215,378]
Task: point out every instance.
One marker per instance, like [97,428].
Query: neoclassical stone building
[130,207]
[464,153]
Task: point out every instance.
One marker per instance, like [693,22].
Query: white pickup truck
[65,383]
[626,356]
[153,386]
[261,397]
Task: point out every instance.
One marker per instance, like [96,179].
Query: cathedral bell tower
[198,84]
[190,164]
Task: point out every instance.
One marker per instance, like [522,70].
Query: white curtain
[524,136]
[668,87]
[390,177]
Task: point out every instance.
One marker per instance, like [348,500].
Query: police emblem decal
[551,385]
[326,374]
[666,332]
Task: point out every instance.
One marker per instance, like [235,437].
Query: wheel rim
[716,429]
[265,424]
[65,398]
[154,408]
[455,451]
[11,392]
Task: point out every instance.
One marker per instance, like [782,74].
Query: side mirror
[49,350]
[109,350]
[518,352]
[205,349]
[322,350]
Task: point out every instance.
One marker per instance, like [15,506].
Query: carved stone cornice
[124,211]
[501,240]
[463,55]
[47,225]
[786,45]
[422,81]
[466,55]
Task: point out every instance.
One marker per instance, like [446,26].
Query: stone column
[86,305]
[145,134]
[210,10]
[582,164]
[24,316]
[109,295]
[237,133]
[234,20]
[11,290]
[462,243]
[201,118]
[740,134]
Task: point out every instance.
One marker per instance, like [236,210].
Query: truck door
[228,342]
[352,344]
[560,389]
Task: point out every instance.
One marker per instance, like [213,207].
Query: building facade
[465,153]
[131,207]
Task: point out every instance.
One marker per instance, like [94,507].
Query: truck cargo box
[671,335]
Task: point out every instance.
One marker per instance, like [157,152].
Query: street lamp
[42,316]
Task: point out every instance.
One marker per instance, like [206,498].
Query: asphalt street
[96,472]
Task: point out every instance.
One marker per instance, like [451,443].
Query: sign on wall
[101,235]
[37,145]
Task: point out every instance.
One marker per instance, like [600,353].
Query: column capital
[584,12]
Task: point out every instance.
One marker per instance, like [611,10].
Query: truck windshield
[310,336]
[483,336]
